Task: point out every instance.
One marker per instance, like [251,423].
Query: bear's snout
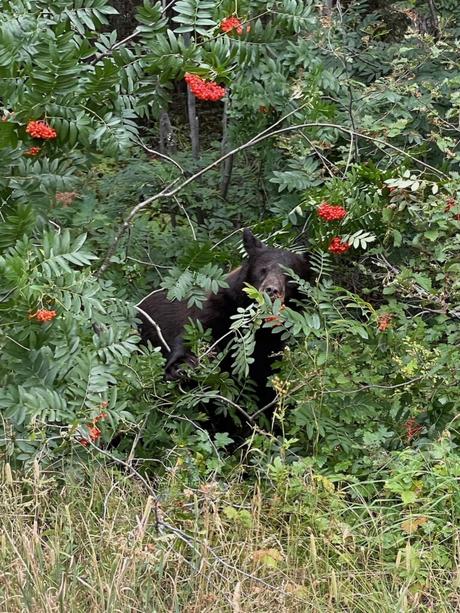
[275,287]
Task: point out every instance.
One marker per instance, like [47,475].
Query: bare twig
[120,43]
[158,520]
[250,418]
[270,405]
[126,224]
[160,155]
[155,291]
[136,440]
[156,326]
[184,210]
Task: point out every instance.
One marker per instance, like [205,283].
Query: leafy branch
[170,191]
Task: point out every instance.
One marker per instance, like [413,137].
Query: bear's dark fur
[263,270]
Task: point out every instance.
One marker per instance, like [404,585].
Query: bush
[324,114]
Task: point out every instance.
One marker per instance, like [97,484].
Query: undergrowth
[105,539]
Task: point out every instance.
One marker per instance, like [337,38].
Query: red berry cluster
[40,129]
[412,428]
[43,315]
[338,246]
[66,198]
[32,151]
[93,431]
[204,90]
[450,203]
[384,322]
[330,212]
[275,318]
[233,23]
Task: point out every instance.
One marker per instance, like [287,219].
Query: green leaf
[8,135]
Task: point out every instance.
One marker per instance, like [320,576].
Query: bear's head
[266,268]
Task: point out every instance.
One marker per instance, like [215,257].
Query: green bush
[323,108]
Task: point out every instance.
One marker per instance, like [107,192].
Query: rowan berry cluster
[40,129]
[276,318]
[412,428]
[384,322]
[204,90]
[450,203]
[43,315]
[93,431]
[337,245]
[233,23]
[331,212]
[66,198]
[32,151]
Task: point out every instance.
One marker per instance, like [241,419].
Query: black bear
[264,270]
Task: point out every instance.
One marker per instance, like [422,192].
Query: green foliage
[194,16]
[372,359]
[194,287]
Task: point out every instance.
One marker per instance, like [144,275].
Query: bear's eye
[263,271]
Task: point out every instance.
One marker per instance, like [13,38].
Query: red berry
[40,129]
[384,321]
[412,428]
[233,23]
[338,246]
[43,315]
[204,90]
[32,151]
[329,212]
[450,203]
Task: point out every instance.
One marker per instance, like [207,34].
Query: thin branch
[184,210]
[162,156]
[126,224]
[136,440]
[156,326]
[327,164]
[114,47]
[250,418]
[155,291]
[209,350]
[158,520]
[271,404]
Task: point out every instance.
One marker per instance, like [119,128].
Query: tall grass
[87,540]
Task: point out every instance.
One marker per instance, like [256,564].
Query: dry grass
[87,541]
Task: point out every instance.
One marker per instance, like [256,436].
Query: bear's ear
[250,242]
